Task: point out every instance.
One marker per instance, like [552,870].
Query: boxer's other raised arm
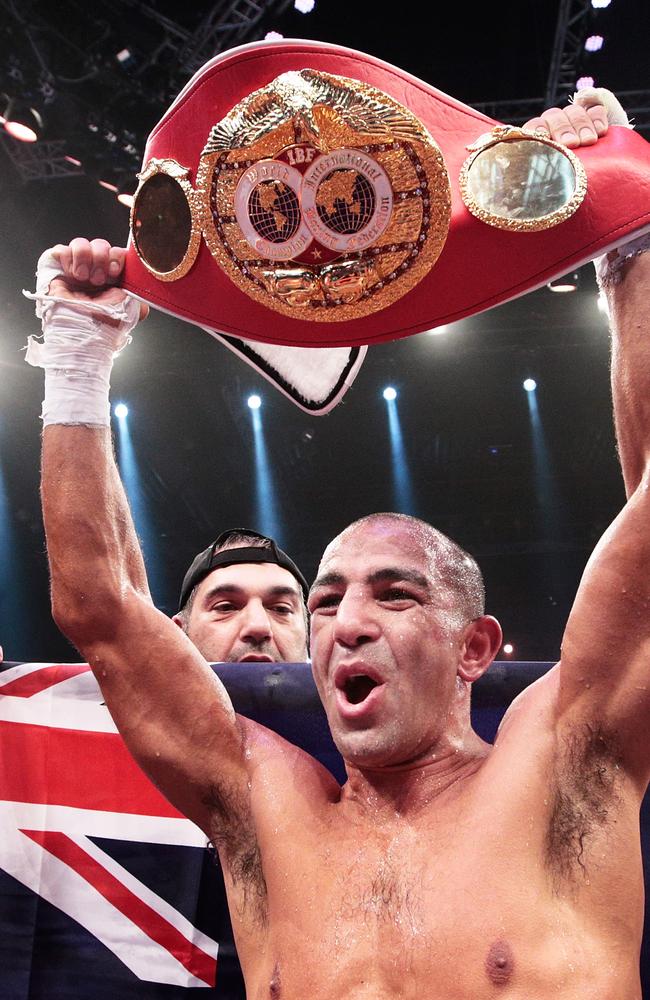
[605,665]
[171,709]
[627,296]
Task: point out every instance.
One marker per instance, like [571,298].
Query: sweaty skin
[444,868]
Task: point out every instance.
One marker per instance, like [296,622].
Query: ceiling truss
[172,52]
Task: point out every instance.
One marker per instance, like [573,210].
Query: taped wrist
[589,96]
[609,267]
[80,340]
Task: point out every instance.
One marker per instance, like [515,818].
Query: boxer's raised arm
[605,665]
[629,314]
[171,709]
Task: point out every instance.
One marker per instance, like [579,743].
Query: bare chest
[459,905]
[399,909]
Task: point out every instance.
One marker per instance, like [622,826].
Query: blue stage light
[266,512]
[121,410]
[530,384]
[403,499]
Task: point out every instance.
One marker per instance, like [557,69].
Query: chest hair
[381,894]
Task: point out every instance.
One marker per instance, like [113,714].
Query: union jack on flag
[102,881]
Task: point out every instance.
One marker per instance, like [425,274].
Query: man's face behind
[385,636]
[249,612]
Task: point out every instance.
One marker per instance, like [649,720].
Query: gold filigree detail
[400,169]
[238,243]
[327,113]
[407,219]
[292,97]
[389,263]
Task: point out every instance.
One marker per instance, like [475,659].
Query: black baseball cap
[211,558]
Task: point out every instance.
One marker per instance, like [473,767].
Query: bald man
[444,867]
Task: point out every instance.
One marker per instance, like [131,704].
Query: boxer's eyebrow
[327,580]
[383,575]
[399,573]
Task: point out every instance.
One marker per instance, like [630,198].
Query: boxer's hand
[574,125]
[91,269]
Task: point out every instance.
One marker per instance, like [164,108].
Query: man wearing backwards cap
[243,599]
[444,868]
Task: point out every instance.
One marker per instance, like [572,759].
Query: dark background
[463,412]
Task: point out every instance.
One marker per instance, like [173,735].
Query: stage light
[594,43]
[530,384]
[266,505]
[109,186]
[21,121]
[584,81]
[403,497]
[508,648]
[121,411]
[566,283]
[600,4]
[73,160]
[273,36]
[304,6]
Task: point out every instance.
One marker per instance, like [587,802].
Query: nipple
[500,963]
[274,987]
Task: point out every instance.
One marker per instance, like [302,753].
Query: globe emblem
[274,211]
[345,201]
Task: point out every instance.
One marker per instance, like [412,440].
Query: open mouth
[358,687]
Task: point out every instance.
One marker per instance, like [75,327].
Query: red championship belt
[305,194]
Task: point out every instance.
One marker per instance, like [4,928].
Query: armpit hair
[586,786]
[234,838]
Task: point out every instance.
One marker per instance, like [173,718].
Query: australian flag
[106,891]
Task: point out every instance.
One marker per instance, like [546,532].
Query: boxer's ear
[481,643]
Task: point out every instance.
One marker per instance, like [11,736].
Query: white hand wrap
[77,349]
[609,267]
[589,96]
